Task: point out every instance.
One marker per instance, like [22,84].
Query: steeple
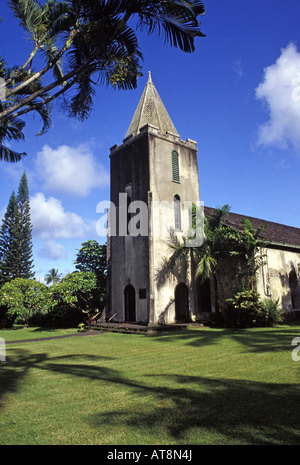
[151,110]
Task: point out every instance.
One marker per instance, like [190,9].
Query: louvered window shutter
[175,166]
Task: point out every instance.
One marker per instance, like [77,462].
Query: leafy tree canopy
[84,43]
[77,290]
[21,296]
[92,257]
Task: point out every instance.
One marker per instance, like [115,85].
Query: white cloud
[238,68]
[280,89]
[70,170]
[50,220]
[52,250]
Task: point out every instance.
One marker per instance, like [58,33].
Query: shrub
[63,316]
[20,298]
[274,313]
[245,310]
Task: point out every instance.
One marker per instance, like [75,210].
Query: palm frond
[177,20]
[178,249]
[12,129]
[44,111]
[205,266]
[58,17]
[50,50]
[3,67]
[81,104]
[218,216]
[29,14]
[9,155]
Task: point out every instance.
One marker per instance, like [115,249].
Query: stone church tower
[154,180]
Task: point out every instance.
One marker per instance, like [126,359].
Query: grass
[19,332]
[199,386]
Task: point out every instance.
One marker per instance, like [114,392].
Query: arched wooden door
[129,302]
[181,303]
[203,295]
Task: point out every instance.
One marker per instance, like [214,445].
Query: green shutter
[175,166]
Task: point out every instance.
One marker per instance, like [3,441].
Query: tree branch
[46,68]
[22,68]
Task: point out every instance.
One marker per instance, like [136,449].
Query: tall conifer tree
[25,261]
[16,237]
[8,241]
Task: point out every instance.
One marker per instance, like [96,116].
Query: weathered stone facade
[154,166]
[143,168]
[279,277]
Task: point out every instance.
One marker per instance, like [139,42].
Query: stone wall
[279,278]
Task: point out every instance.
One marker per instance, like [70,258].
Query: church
[154,182]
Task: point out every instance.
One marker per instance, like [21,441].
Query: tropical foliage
[74,298]
[11,127]
[83,44]
[92,257]
[53,276]
[246,309]
[228,253]
[68,302]
[21,298]
[222,241]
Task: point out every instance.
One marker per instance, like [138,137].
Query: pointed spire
[151,110]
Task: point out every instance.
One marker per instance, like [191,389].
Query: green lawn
[19,333]
[199,386]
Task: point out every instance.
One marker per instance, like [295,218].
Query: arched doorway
[203,295]
[295,288]
[129,303]
[181,303]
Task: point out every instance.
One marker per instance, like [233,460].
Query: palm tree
[12,127]
[52,276]
[97,45]
[228,253]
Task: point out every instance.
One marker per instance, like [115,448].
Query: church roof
[275,233]
[151,110]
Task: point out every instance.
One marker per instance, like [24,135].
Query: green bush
[274,313]
[63,316]
[6,320]
[245,310]
[20,299]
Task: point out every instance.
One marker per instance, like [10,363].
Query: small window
[177,213]
[175,166]
[142,293]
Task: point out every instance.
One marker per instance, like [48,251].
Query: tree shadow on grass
[253,340]
[20,361]
[234,411]
[183,407]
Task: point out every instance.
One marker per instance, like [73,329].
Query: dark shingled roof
[273,232]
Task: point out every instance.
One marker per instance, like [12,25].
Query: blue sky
[237,95]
